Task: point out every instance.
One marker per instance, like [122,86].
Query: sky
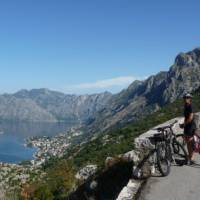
[91,46]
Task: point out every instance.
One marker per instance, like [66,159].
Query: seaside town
[14,176]
[49,147]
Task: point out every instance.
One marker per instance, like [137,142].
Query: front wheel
[163,158]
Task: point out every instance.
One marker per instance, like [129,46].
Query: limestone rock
[86,172]
[131,156]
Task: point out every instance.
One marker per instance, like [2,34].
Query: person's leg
[190,143]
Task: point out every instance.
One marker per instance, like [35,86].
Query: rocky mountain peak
[189,59]
[183,59]
[22,93]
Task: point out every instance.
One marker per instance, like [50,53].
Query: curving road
[183,183]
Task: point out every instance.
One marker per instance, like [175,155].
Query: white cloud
[119,81]
[113,85]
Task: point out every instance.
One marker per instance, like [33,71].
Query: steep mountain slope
[12,108]
[144,97]
[46,105]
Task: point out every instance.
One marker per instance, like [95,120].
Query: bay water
[13,135]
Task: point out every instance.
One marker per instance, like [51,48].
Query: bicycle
[167,149]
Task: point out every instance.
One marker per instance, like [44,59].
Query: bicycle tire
[163,160]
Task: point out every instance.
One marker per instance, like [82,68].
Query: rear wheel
[163,158]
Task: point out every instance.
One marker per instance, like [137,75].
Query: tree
[43,193]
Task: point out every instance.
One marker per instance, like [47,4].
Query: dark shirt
[188,110]
[189,128]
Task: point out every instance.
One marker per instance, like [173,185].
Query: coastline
[46,147]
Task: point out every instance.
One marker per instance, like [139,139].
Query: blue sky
[87,46]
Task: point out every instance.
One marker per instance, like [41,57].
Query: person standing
[189,127]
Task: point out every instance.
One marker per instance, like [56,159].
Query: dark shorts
[189,130]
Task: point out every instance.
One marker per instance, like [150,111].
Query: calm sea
[13,135]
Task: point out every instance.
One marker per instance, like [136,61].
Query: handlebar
[160,129]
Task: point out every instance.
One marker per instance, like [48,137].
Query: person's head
[187,98]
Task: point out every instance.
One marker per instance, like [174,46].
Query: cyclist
[189,127]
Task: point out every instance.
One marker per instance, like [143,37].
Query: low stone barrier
[130,190]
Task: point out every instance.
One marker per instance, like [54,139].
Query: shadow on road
[179,163]
[196,165]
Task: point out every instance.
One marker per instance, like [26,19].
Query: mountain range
[47,105]
[100,112]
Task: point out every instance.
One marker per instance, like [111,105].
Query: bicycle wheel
[179,153]
[163,158]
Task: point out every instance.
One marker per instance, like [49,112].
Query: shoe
[191,162]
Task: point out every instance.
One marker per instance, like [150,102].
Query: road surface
[183,183]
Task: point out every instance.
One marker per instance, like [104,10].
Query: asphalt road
[183,183]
